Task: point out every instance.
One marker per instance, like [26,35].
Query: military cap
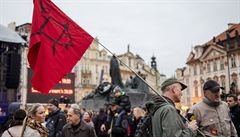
[171,81]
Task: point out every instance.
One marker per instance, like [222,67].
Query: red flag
[56,45]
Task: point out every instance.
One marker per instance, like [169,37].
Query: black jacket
[235,116]
[120,129]
[98,121]
[55,122]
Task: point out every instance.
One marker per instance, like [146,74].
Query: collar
[54,112]
[81,126]
[169,100]
[210,103]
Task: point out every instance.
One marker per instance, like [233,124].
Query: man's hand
[109,131]
[193,125]
[103,128]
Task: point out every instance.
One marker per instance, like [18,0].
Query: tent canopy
[7,35]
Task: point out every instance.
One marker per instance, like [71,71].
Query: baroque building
[217,59]
[149,73]
[91,70]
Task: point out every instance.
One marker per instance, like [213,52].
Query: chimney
[12,26]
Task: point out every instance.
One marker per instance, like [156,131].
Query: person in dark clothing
[77,127]
[166,121]
[56,119]
[100,119]
[116,125]
[238,97]
[234,111]
[122,99]
[119,123]
[15,127]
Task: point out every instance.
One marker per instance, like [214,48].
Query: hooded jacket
[166,121]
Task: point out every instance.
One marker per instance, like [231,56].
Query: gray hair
[76,109]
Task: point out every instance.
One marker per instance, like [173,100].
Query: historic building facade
[218,59]
[182,74]
[91,70]
[136,63]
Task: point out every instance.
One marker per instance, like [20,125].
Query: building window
[188,92]
[215,78]
[96,56]
[201,69]
[96,68]
[215,65]
[195,70]
[233,62]
[223,81]
[104,56]
[130,63]
[234,85]
[196,88]
[222,64]
[208,67]
[189,100]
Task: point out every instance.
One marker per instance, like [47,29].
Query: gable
[190,57]
[212,52]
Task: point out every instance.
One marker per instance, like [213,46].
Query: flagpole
[200,132]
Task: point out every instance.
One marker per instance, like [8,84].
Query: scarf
[43,131]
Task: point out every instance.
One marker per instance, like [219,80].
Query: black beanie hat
[55,102]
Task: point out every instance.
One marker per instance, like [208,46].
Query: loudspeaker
[13,70]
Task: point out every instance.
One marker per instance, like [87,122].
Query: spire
[154,63]
[128,48]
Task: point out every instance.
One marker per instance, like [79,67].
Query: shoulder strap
[9,133]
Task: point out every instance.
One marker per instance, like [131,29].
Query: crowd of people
[212,117]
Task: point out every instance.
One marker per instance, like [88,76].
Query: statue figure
[139,84]
[115,72]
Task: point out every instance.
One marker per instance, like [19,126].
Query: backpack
[144,127]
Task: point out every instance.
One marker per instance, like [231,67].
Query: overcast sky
[167,29]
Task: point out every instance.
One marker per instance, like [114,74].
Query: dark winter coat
[98,121]
[55,122]
[83,130]
[235,116]
[119,125]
